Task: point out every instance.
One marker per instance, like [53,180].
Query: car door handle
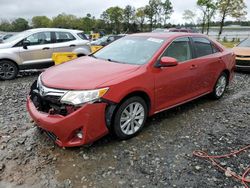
[72,45]
[46,48]
[193,67]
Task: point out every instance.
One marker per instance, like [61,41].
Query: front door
[39,50]
[174,85]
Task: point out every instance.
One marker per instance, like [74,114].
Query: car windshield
[245,43]
[131,50]
[17,36]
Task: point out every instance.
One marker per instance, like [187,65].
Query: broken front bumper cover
[90,119]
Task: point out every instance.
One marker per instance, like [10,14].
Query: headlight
[77,98]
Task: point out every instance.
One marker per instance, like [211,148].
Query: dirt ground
[160,156]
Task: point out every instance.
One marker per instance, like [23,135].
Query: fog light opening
[79,134]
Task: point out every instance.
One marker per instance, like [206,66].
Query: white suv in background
[33,49]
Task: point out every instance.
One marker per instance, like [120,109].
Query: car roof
[54,29]
[168,34]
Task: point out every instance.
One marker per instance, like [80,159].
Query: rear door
[174,85]
[39,50]
[207,62]
[64,42]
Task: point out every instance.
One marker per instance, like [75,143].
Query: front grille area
[49,103]
[242,56]
[243,62]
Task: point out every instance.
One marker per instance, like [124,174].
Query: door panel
[64,42]
[175,85]
[207,63]
[39,53]
[39,49]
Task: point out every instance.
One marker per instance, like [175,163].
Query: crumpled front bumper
[90,119]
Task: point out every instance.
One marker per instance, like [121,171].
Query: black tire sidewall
[15,69]
[214,95]
[116,124]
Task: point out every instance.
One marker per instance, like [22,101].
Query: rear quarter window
[64,37]
[82,36]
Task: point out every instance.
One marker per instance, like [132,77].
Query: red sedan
[117,88]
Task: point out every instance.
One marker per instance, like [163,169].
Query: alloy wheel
[132,118]
[7,71]
[221,86]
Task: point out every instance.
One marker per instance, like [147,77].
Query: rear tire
[220,86]
[8,70]
[130,118]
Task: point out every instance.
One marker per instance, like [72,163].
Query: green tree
[41,21]
[67,21]
[6,26]
[189,16]
[113,16]
[140,17]
[87,23]
[208,8]
[20,24]
[128,16]
[233,8]
[167,10]
[152,12]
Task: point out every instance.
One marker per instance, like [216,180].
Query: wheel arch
[227,72]
[112,108]
[7,59]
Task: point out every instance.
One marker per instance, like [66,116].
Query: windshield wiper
[111,60]
[92,55]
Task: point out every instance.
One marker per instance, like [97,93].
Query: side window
[202,46]
[64,37]
[179,49]
[39,38]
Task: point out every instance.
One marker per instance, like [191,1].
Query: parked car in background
[183,30]
[160,30]
[104,41]
[33,49]
[5,37]
[118,87]
[242,52]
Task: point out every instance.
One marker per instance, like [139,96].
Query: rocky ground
[161,156]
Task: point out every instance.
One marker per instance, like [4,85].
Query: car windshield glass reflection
[245,43]
[17,36]
[131,50]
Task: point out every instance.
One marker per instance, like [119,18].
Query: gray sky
[10,9]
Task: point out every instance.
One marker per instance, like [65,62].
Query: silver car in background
[33,49]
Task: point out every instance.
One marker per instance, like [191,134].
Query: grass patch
[229,44]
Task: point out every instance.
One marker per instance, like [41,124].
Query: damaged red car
[115,89]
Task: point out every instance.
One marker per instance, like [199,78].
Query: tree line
[221,9]
[113,20]
[155,14]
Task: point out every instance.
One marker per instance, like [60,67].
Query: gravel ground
[161,156]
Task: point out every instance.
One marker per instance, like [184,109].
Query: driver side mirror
[168,62]
[26,43]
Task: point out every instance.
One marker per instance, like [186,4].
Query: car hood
[5,45]
[84,73]
[242,51]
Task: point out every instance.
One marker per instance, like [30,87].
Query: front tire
[8,70]
[220,86]
[130,118]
